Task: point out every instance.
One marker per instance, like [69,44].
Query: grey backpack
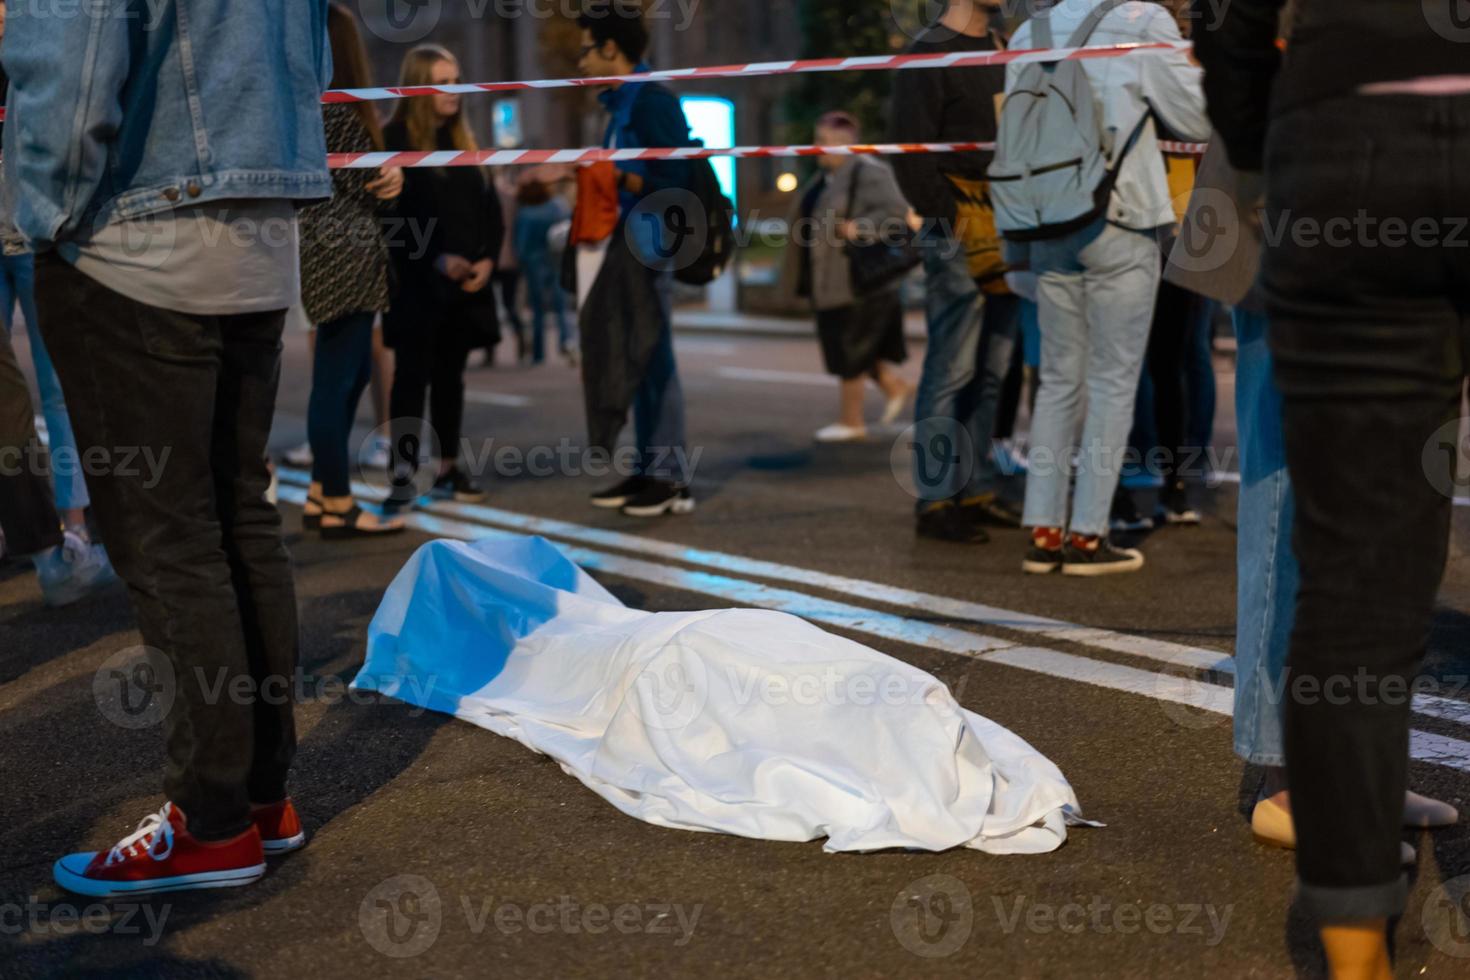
[1050,175]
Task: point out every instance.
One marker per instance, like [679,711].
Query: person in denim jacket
[160,191]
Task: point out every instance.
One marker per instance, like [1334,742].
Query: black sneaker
[1041,561]
[658,498]
[992,511]
[1174,506]
[615,497]
[1102,559]
[459,486]
[947,523]
[1125,516]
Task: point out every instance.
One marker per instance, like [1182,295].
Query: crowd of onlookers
[1074,275]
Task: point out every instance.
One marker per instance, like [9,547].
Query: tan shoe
[1271,822]
[1271,825]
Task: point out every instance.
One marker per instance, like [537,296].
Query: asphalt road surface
[439,849]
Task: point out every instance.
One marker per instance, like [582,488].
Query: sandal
[352,526]
[311,514]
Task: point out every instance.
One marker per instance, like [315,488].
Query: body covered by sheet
[744,721]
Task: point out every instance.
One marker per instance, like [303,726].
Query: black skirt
[855,338]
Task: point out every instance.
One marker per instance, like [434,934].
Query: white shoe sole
[93,888]
[610,503]
[679,506]
[1107,568]
[284,845]
[1040,567]
[833,437]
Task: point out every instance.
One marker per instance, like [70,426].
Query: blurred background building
[527,39]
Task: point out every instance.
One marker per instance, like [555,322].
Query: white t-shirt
[214,259]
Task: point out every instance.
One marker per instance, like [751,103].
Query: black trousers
[508,283]
[27,508]
[1167,341]
[432,347]
[201,550]
[1368,282]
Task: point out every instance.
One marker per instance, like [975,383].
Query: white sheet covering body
[744,721]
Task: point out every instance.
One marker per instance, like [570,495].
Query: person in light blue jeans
[17,287]
[1096,289]
[1266,565]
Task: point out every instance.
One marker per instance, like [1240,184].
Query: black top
[944,105]
[1336,46]
[456,207]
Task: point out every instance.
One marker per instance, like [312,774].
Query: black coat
[443,211]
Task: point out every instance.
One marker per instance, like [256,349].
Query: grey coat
[878,207]
[1218,252]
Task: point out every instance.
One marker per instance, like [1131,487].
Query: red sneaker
[280,828]
[162,856]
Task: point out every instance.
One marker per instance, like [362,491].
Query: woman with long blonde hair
[443,309]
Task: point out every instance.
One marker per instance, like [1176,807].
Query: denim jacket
[124,108]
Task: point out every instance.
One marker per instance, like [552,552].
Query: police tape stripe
[502,158]
[954,59]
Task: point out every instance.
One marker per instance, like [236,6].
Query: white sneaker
[301,457]
[73,571]
[842,433]
[378,457]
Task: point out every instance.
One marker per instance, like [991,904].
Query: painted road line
[497,398]
[943,607]
[957,610]
[705,346]
[1183,691]
[1101,673]
[777,377]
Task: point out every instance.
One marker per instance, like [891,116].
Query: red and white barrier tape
[954,59]
[512,158]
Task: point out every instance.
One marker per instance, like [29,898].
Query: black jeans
[1370,328]
[508,283]
[341,370]
[1175,315]
[201,550]
[27,508]
[430,360]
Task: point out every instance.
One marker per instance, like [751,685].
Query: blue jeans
[972,338]
[17,285]
[543,286]
[658,404]
[1266,565]
[1097,303]
[341,369]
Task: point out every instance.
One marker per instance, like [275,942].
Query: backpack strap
[1041,36]
[1090,23]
